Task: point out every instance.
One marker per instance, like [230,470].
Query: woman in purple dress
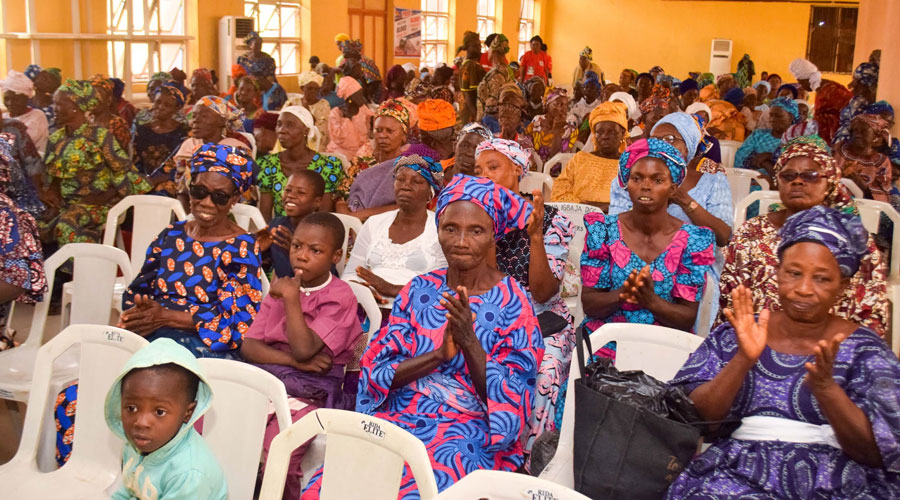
[818,396]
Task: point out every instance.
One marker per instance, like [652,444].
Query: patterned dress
[760,141]
[87,163]
[24,162]
[513,253]
[21,259]
[586,178]
[867,371]
[461,432]
[751,259]
[272,179]
[543,139]
[152,149]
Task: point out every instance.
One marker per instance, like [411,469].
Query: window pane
[290,58]
[172,21]
[141,65]
[443,30]
[171,55]
[832,38]
[268,21]
[289,22]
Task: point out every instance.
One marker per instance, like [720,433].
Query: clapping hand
[144,318]
[638,288]
[460,318]
[819,373]
[751,333]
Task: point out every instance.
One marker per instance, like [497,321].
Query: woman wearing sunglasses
[806,176]
[200,284]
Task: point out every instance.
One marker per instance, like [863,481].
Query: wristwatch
[693,206]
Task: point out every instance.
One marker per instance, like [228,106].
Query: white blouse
[396,264]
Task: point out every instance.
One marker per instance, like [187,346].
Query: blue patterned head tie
[475,128]
[509,149]
[253,35]
[424,161]
[867,74]
[687,127]
[234,163]
[508,210]
[174,89]
[787,104]
[842,234]
[879,107]
[654,148]
[32,71]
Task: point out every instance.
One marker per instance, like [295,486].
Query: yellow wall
[640,34]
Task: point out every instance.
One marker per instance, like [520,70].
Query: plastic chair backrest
[852,187]
[151,215]
[248,217]
[740,180]
[370,306]
[765,199]
[537,163]
[364,456]
[350,223]
[703,322]
[241,396]
[504,485]
[536,180]
[561,159]
[571,283]
[729,149]
[104,350]
[93,280]
[870,212]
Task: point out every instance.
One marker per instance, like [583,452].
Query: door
[368,23]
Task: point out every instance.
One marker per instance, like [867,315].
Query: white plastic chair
[765,199]
[853,188]
[350,223]
[248,217]
[536,180]
[98,262]
[560,159]
[572,278]
[704,312]
[96,458]
[537,163]
[94,274]
[503,485]
[870,212]
[241,397]
[658,351]
[729,149]
[364,457]
[740,179]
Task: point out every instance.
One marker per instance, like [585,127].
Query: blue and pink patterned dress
[867,371]
[461,432]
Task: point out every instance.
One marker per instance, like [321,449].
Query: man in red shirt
[536,62]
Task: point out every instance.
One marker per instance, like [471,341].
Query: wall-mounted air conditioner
[232,30]
[720,56]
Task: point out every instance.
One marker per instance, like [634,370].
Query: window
[526,26]
[832,38]
[435,32]
[278,23]
[485,16]
[149,41]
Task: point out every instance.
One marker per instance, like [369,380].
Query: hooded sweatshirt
[184,468]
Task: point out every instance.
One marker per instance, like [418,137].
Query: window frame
[436,43]
[485,19]
[275,45]
[843,43]
[123,39]
[526,23]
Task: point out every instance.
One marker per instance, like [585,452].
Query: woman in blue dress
[818,396]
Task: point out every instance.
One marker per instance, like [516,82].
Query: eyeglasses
[790,175]
[670,138]
[199,192]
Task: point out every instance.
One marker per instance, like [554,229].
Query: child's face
[299,198]
[154,405]
[313,252]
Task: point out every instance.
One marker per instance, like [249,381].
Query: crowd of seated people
[475,345]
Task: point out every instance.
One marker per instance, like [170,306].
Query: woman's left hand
[460,317]
[377,283]
[819,375]
[145,317]
[536,221]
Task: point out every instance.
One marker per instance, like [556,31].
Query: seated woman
[536,258]
[806,176]
[726,122]
[88,170]
[463,387]
[248,98]
[588,177]
[200,284]
[299,137]
[710,145]
[152,143]
[468,139]
[104,115]
[550,133]
[816,394]
[756,152]
[861,161]
[311,84]
[350,123]
[645,265]
[394,247]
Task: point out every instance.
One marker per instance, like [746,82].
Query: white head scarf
[19,83]
[624,97]
[699,106]
[805,70]
[309,77]
[313,136]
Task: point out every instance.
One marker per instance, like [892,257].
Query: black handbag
[624,452]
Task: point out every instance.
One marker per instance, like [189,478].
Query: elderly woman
[467,141]
[659,104]
[152,143]
[535,257]
[26,169]
[255,61]
[200,284]
[395,82]
[391,128]
[588,177]
[202,85]
[816,394]
[463,387]
[551,133]
[437,126]
[757,151]
[806,176]
[349,123]
[860,160]
[864,87]
[586,63]
[583,107]
[248,98]
[645,265]
[103,115]
[46,82]
[300,139]
[88,170]
[396,246]
[709,146]
[311,83]
[17,90]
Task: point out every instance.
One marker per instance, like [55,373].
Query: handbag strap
[580,339]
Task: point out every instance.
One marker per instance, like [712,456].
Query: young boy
[306,329]
[302,196]
[153,406]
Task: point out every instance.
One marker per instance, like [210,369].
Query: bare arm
[266,205]
[600,303]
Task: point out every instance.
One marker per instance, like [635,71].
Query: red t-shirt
[486,60]
[538,64]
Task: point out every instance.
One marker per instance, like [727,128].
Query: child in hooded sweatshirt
[153,406]
[306,329]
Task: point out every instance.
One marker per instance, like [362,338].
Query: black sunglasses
[199,192]
[790,175]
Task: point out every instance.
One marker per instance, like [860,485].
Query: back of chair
[851,186]
[870,212]
[248,217]
[729,149]
[560,159]
[104,350]
[740,180]
[370,306]
[151,215]
[350,223]
[503,485]
[765,199]
[704,312]
[235,424]
[536,180]
[571,283]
